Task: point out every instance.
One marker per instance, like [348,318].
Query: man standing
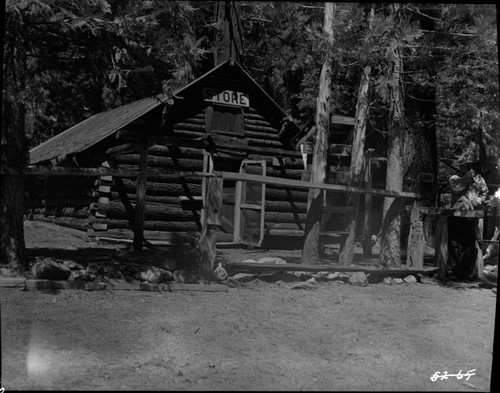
[469,192]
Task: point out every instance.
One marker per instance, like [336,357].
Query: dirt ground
[263,336]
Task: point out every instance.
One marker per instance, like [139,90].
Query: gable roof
[87,133]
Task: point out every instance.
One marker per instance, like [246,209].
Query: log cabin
[222,121]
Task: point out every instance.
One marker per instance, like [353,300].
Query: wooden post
[367,243]
[416,243]
[441,246]
[212,207]
[310,251]
[346,255]
[140,200]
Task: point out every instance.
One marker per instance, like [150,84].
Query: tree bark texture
[357,160]
[390,246]
[310,252]
[13,150]
[213,204]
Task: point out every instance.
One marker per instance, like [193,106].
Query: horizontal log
[151,199]
[253,114]
[165,189]
[199,119]
[284,217]
[261,135]
[158,165]
[169,151]
[254,121]
[190,126]
[177,226]
[261,129]
[284,225]
[173,238]
[280,194]
[152,212]
[284,206]
[264,143]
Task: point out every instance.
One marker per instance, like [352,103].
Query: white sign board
[226,97]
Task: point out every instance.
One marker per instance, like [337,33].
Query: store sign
[225,97]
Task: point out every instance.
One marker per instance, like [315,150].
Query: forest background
[65,60]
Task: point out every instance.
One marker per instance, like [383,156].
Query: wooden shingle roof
[92,130]
[101,125]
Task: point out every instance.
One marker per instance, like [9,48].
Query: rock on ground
[303,285]
[410,279]
[50,270]
[155,275]
[358,279]
[244,277]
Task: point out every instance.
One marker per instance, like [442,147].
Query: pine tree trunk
[13,155]
[310,250]
[390,246]
[347,253]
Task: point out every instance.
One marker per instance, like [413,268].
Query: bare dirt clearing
[259,337]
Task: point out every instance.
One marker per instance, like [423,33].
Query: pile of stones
[48,269]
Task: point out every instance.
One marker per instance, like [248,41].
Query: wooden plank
[265,267]
[301,184]
[339,119]
[282,182]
